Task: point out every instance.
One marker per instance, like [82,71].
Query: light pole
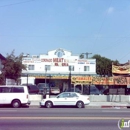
[48,92]
[69,77]
[45,75]
[27,79]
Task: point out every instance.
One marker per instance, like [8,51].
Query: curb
[117,107]
[92,107]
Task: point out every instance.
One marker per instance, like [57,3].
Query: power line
[16,3]
[102,23]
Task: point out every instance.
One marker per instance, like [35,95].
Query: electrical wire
[16,3]
[102,24]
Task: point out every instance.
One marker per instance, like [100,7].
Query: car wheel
[16,104]
[80,104]
[48,104]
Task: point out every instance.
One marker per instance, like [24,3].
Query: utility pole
[87,53]
[45,75]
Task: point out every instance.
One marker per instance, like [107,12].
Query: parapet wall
[94,98]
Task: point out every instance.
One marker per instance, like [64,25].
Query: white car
[66,99]
[15,95]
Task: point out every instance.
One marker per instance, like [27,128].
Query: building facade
[56,65]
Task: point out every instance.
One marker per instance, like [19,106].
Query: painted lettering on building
[46,60]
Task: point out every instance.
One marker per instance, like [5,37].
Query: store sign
[121,69]
[56,61]
[61,64]
[117,80]
[85,61]
[42,76]
[81,79]
[46,60]
[102,80]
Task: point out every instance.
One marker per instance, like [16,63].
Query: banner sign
[115,80]
[102,80]
[42,76]
[123,69]
[96,80]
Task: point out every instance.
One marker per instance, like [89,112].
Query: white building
[56,64]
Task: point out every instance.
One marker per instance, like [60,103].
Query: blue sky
[38,26]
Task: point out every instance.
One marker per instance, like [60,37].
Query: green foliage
[103,65]
[81,56]
[13,66]
[2,80]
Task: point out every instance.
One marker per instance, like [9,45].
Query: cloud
[110,10]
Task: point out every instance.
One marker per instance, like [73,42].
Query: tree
[13,66]
[103,65]
[81,56]
[2,80]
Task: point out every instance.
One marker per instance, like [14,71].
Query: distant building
[57,65]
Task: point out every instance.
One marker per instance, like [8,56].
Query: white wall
[31,80]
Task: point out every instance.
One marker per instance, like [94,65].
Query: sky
[94,26]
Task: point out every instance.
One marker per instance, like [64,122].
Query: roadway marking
[115,111]
[7,110]
[63,118]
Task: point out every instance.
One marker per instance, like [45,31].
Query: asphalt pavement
[62,119]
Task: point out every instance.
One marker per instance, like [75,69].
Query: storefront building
[57,68]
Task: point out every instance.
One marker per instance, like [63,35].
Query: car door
[72,99]
[62,99]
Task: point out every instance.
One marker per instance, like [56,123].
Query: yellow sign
[81,79]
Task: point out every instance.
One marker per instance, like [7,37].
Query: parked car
[33,89]
[94,90]
[43,88]
[14,95]
[106,92]
[54,90]
[66,99]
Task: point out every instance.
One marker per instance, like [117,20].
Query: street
[61,118]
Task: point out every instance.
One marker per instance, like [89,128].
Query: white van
[14,95]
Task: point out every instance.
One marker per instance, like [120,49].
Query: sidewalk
[95,104]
